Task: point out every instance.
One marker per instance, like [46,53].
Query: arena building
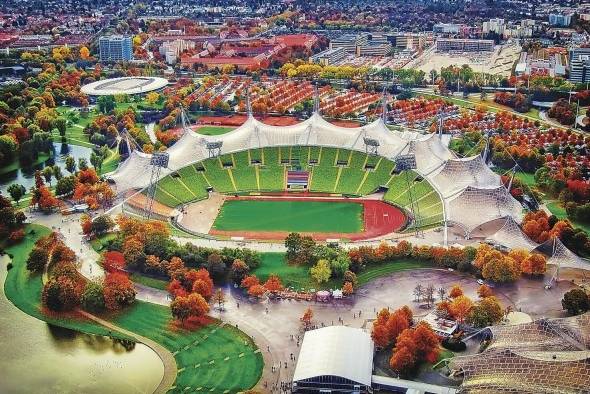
[124,85]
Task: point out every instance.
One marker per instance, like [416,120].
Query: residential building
[350,42]
[463,45]
[171,50]
[446,28]
[579,61]
[329,56]
[115,48]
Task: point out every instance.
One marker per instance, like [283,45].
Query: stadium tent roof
[124,85]
[546,355]
[474,206]
[456,174]
[336,351]
[191,147]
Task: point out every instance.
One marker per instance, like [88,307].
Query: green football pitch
[291,216]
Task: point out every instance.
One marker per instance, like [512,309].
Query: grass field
[212,358]
[558,210]
[293,216]
[297,276]
[214,130]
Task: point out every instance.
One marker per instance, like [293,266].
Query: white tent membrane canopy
[339,351]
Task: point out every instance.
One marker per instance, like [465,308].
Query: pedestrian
[238,305]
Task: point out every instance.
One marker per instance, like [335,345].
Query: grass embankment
[24,289]
[214,130]
[291,216]
[558,210]
[211,358]
[298,277]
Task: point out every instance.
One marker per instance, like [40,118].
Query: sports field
[290,216]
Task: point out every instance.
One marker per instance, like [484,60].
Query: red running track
[379,218]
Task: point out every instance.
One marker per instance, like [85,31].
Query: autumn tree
[249,281]
[61,293]
[460,307]
[37,259]
[486,312]
[455,291]
[273,284]
[307,318]
[84,53]
[118,291]
[501,269]
[256,291]
[388,326]
[219,298]
[534,264]
[484,291]
[347,289]
[414,346]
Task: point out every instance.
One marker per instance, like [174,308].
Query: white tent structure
[336,357]
[477,205]
[471,193]
[457,174]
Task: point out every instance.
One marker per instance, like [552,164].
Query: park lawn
[209,358]
[558,210]
[24,289]
[148,281]
[374,271]
[291,216]
[298,277]
[100,242]
[214,130]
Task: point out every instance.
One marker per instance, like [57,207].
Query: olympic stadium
[124,85]
[370,182]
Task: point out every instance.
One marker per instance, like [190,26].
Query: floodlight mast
[407,163]
[158,161]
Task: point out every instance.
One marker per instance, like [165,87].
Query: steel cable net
[544,356]
[475,206]
[430,152]
[512,236]
[456,174]
[134,172]
[191,147]
[560,255]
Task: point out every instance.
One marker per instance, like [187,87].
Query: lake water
[26,176]
[36,357]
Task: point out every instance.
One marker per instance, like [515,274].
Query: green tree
[93,297]
[96,160]
[57,173]
[106,104]
[82,164]
[102,224]
[60,124]
[321,272]
[65,185]
[7,149]
[16,191]
[575,302]
[47,174]
[70,164]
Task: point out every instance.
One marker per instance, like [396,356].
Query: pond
[26,175]
[39,358]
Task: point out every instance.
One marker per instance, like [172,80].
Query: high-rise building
[563,20]
[115,48]
[579,59]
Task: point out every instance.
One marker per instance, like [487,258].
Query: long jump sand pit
[274,217]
